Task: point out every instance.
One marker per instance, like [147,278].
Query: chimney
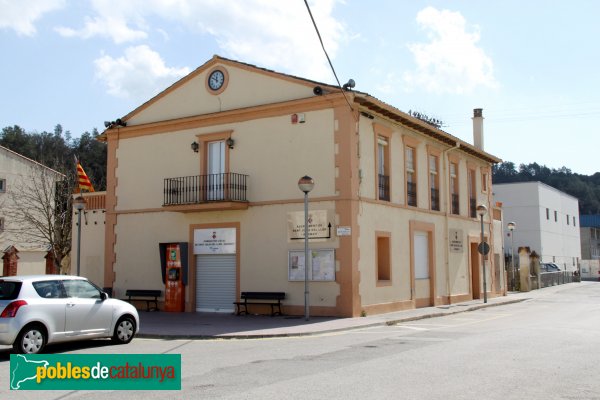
[478,128]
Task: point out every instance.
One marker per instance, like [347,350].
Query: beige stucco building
[393,223]
[22,182]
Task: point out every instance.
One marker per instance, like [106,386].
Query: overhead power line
[327,55]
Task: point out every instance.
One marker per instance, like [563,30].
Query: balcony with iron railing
[384,187]
[411,193]
[206,192]
[435,199]
[455,204]
[473,207]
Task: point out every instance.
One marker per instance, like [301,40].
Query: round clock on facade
[216,79]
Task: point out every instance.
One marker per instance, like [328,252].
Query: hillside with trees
[38,208]
[57,150]
[584,187]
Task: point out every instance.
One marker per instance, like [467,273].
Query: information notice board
[322,262]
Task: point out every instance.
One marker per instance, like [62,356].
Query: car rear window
[48,289]
[9,290]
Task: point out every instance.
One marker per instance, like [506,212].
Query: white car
[40,309]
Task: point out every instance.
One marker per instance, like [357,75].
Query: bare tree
[37,211]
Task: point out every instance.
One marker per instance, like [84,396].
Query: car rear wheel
[124,330]
[31,340]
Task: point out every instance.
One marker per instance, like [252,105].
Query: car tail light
[11,310]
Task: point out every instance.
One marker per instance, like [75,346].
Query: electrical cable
[327,55]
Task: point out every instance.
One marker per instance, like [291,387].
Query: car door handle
[70,304]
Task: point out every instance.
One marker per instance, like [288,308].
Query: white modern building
[546,221]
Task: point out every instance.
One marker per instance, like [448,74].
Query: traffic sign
[483,248]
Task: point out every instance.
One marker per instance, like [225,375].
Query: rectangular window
[434,182]
[383,258]
[383,177]
[411,178]
[1,224]
[567,219]
[574,221]
[472,198]
[484,182]
[555,216]
[454,188]
[548,214]
[2,185]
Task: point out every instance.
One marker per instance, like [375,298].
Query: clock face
[216,80]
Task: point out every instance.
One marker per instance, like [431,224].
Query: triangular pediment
[235,86]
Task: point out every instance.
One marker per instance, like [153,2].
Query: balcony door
[216,170]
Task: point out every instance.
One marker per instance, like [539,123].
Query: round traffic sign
[483,248]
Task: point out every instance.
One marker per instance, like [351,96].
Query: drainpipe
[448,205]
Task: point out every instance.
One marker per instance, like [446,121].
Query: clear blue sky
[533,66]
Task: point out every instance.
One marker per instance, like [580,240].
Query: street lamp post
[306,184]
[79,205]
[511,227]
[483,249]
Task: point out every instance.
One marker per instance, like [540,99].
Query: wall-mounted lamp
[195,146]
[230,142]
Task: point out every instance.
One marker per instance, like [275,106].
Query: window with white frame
[383,175]
[454,187]
[411,181]
[472,195]
[484,182]
[434,182]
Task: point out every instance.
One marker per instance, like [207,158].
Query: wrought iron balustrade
[473,208]
[435,199]
[411,192]
[200,189]
[455,203]
[384,187]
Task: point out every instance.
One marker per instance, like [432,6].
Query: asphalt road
[545,348]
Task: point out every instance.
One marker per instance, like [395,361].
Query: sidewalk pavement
[158,324]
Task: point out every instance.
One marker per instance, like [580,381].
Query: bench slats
[268,298]
[142,295]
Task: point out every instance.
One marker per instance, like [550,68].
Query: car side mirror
[103,296]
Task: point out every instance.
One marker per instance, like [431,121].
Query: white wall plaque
[214,241]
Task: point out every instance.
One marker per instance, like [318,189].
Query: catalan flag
[82,179]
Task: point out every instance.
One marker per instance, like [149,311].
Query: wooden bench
[269,298]
[147,295]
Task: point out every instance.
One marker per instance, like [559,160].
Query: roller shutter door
[215,282]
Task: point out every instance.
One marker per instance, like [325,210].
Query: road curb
[395,321]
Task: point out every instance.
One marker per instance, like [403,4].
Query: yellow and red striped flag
[83,180]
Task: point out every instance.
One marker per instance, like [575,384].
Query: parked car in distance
[40,309]
[549,267]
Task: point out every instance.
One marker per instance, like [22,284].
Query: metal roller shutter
[215,282]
